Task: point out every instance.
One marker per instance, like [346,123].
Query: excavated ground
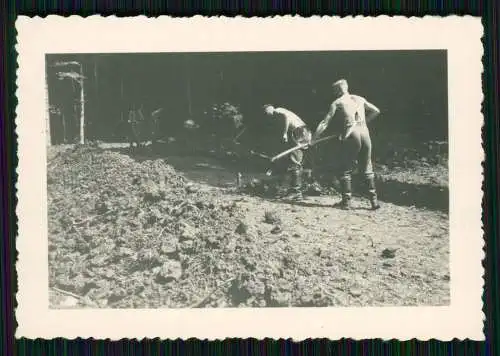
[139,234]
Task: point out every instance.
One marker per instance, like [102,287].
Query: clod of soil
[188,233]
[242,228]
[272,217]
[389,252]
[276,230]
[170,271]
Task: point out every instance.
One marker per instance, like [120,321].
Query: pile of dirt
[126,234]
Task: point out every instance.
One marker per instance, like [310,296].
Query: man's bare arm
[287,126]
[373,111]
[325,122]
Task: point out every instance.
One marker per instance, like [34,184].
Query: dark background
[409,87]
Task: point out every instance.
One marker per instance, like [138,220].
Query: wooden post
[96,112]
[188,86]
[82,108]
[121,101]
[63,121]
[190,108]
[47,109]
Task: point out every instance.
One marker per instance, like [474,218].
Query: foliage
[70,74]
[77,77]
[224,119]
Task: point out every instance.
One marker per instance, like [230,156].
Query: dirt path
[394,256]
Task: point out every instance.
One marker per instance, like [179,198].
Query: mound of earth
[127,234]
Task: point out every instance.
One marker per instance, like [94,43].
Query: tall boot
[313,186]
[346,186]
[296,184]
[372,191]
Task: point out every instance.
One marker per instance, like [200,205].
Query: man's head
[269,109]
[340,87]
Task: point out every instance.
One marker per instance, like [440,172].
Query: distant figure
[300,134]
[155,125]
[355,137]
[143,128]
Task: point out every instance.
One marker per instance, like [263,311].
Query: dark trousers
[296,158]
[357,150]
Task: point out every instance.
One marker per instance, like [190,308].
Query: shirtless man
[299,134]
[355,112]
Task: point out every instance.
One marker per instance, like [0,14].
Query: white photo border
[460,36]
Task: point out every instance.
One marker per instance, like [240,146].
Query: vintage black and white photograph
[265,179]
[254,179]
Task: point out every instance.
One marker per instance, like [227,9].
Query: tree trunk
[188,85]
[47,111]
[190,104]
[220,96]
[63,122]
[82,108]
[122,119]
[96,112]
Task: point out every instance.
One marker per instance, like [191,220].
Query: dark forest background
[409,87]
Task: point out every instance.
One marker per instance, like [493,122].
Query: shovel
[300,146]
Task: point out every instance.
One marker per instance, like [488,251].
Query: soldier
[155,127]
[135,124]
[299,134]
[143,127]
[354,112]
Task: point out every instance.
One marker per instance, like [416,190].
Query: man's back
[351,108]
[291,117]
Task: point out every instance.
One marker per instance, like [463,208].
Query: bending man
[300,134]
[354,113]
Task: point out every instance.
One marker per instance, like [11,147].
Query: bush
[224,119]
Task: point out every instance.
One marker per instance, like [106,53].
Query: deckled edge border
[248,19]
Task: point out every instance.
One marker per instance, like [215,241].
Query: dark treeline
[410,88]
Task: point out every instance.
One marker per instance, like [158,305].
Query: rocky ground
[125,233]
